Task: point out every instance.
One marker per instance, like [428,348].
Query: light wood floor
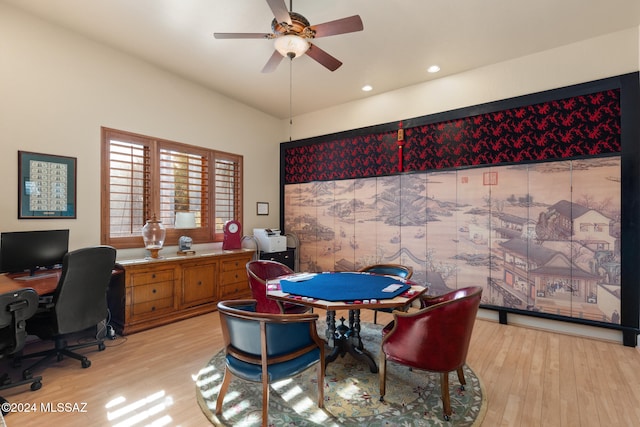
[531,378]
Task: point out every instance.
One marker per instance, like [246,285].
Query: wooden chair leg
[444,390]
[382,372]
[226,380]
[375,317]
[265,402]
[321,384]
[463,381]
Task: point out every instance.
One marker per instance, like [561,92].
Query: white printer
[270,240]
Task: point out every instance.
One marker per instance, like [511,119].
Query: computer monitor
[32,250]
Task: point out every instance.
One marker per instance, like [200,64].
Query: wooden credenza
[150,293]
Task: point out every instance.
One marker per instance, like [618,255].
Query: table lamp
[153,234]
[185,220]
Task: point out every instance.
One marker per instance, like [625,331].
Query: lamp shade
[185,220]
[291,46]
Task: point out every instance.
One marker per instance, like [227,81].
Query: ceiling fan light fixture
[291,45]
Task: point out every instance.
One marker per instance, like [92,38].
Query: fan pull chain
[290,96]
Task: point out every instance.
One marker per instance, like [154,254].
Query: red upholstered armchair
[435,338]
[259,271]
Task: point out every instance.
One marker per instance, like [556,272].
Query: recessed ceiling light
[433,69]
[367,88]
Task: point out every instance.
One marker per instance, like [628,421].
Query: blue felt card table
[348,286]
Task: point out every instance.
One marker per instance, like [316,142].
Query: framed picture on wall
[263,208]
[46,186]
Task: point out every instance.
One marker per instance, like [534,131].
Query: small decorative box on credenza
[284,257]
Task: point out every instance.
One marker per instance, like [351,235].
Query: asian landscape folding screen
[507,228]
[525,201]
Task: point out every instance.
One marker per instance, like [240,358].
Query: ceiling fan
[292,33]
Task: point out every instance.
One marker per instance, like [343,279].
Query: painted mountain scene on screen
[542,237]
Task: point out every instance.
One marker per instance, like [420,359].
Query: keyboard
[35,277]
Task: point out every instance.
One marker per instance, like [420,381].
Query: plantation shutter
[184,185]
[228,169]
[129,177]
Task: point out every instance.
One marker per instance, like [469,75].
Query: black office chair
[15,308]
[78,304]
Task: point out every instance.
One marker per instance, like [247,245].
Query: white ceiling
[401,38]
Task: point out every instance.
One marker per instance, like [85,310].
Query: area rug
[351,395]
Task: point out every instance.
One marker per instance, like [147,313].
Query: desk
[345,338]
[42,286]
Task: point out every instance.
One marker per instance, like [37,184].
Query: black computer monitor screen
[32,250]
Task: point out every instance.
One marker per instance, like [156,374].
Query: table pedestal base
[346,339]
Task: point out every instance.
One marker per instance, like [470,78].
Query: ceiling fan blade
[273,62]
[339,26]
[242,35]
[323,58]
[279,9]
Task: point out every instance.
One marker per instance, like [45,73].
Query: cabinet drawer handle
[153,308]
[236,275]
[153,276]
[153,291]
[199,282]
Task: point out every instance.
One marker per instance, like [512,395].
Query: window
[144,176]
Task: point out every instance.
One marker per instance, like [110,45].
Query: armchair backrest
[437,337]
[398,270]
[80,300]
[15,308]
[458,293]
[258,272]
[265,338]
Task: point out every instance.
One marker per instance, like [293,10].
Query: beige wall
[57,89]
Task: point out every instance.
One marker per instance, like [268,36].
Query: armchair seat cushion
[277,371]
